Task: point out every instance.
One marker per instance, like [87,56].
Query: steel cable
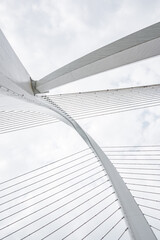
[54,194]
[101,223]
[50,171]
[81,224]
[28,215]
[31,184]
[97,101]
[148,199]
[147,215]
[50,188]
[112,228]
[34,230]
[46,165]
[123,233]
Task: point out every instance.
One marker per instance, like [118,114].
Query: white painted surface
[11,67]
[135,47]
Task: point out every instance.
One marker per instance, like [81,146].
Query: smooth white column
[135,47]
[11,67]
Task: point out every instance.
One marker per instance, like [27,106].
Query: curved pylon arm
[135,47]
[137,224]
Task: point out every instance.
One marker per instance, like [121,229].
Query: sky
[47,34]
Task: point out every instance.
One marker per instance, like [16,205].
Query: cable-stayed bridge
[100,192]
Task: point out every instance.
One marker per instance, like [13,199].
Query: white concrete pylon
[135,47]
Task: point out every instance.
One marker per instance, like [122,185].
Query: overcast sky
[47,34]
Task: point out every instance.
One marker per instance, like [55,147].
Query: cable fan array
[139,167]
[16,114]
[98,103]
[71,198]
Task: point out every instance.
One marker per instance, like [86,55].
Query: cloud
[46,34]
[57,33]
